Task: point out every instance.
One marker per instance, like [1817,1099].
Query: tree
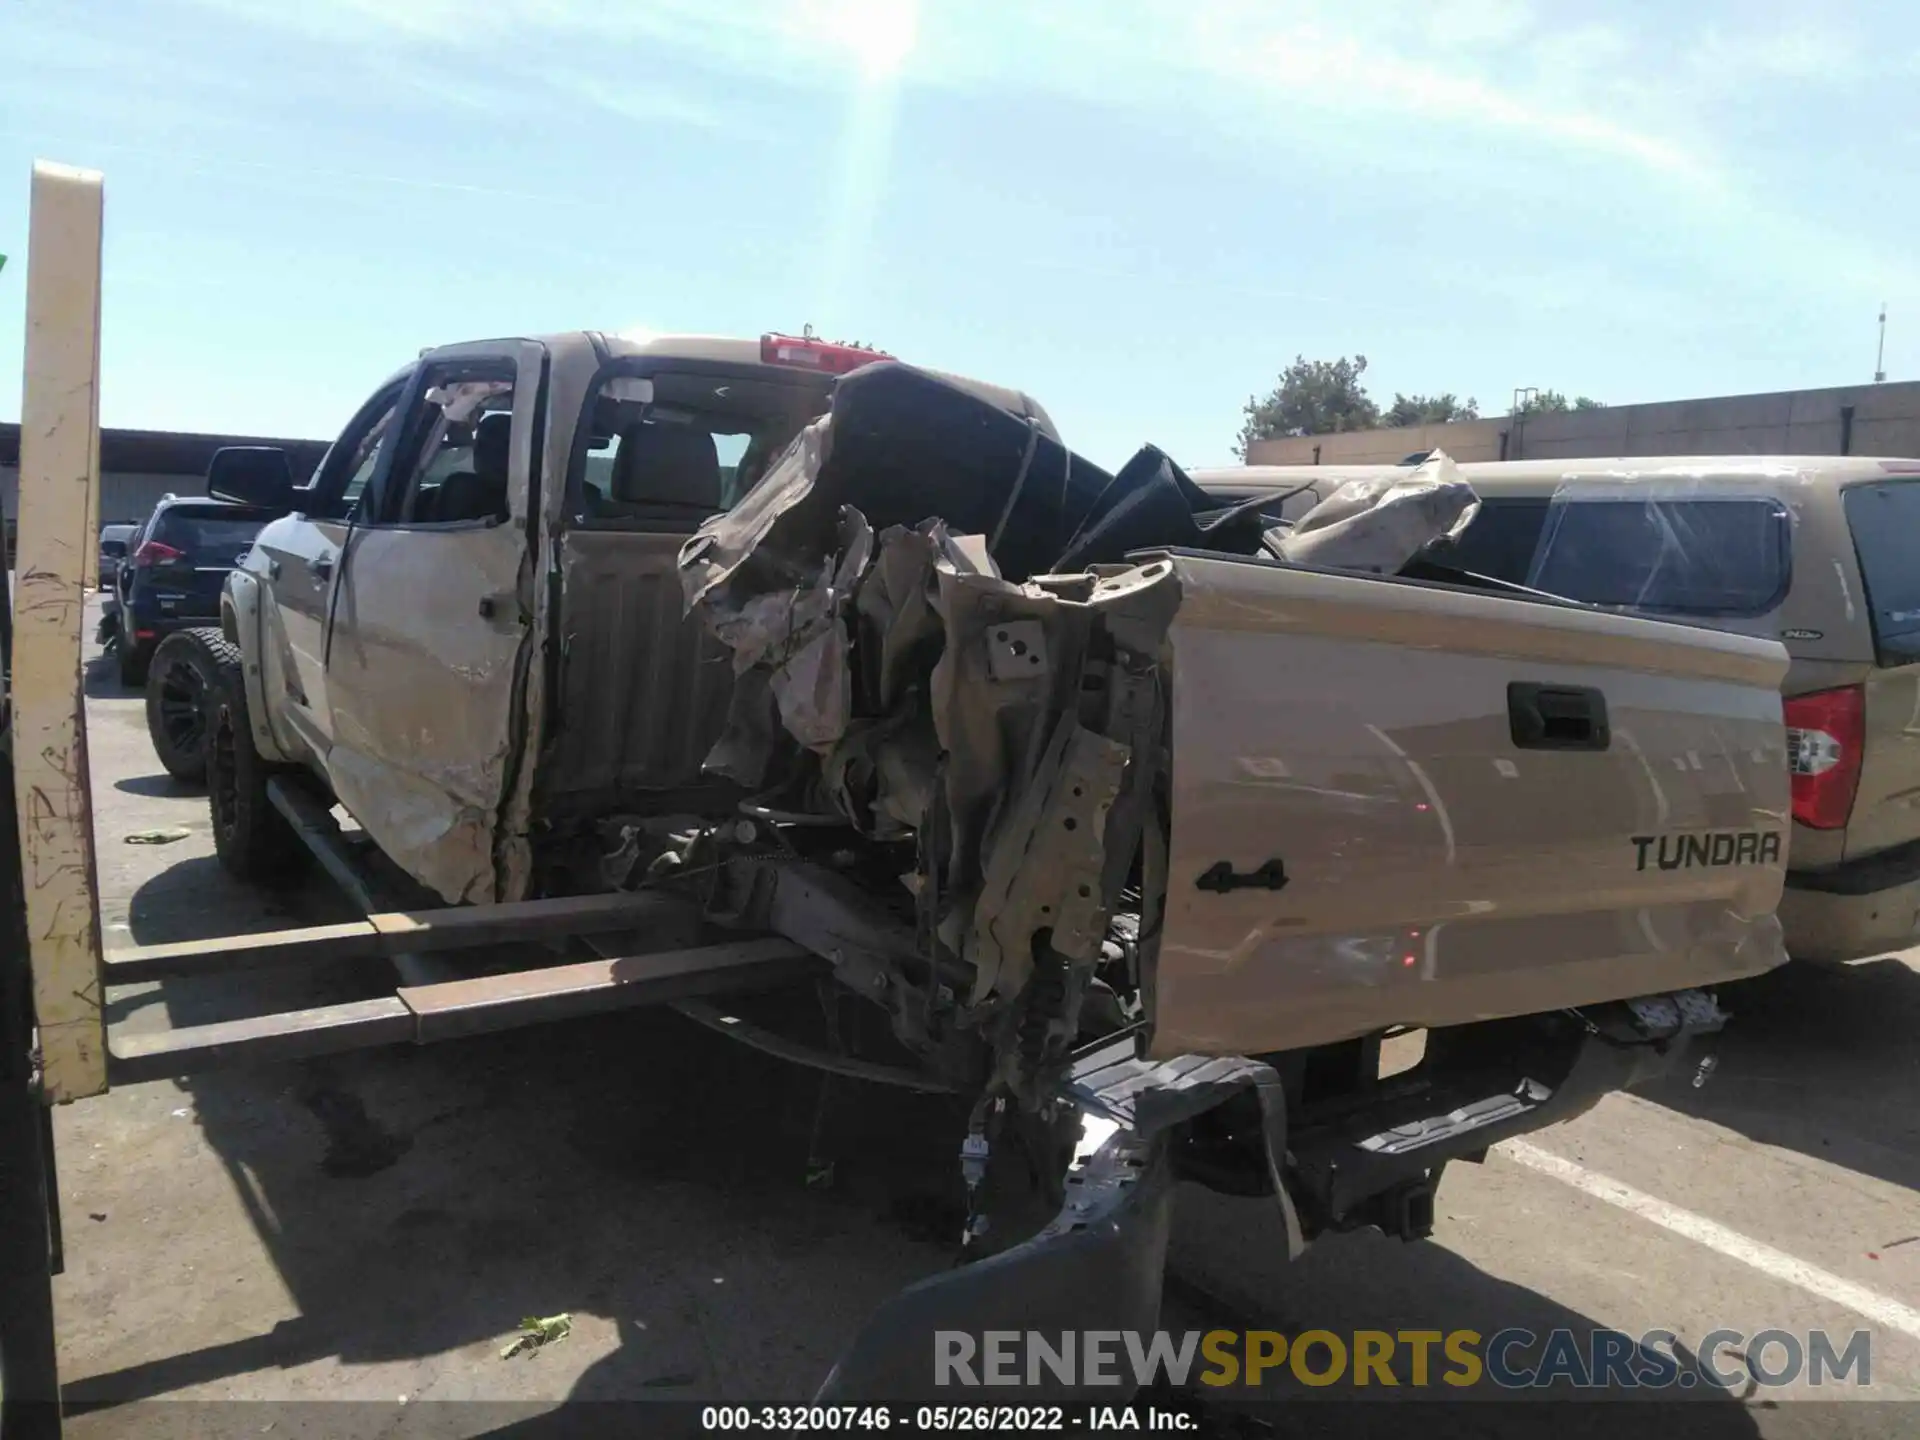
[1314,397]
[1441,409]
[1552,402]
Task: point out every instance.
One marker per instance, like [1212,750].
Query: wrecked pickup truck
[1140,820]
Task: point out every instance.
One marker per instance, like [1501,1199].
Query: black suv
[176,566]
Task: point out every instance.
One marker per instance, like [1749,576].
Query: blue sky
[1138,210]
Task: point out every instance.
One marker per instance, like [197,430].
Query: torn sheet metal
[724,544]
[814,690]
[973,720]
[1378,526]
[922,669]
[1043,873]
[798,636]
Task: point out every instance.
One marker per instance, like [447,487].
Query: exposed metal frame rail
[437,1000]
[453,1008]
[386,935]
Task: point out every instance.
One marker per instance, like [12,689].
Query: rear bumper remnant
[1098,1265]
[1379,1166]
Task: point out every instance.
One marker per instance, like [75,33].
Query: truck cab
[498,524]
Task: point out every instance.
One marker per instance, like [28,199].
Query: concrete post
[59,465]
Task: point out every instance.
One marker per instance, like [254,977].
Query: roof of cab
[1788,470]
[730,350]
[582,348]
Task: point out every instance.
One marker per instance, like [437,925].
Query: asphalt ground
[261,1248]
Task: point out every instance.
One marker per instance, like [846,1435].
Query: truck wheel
[180,683]
[252,839]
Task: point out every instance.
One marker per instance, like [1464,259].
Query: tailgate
[1481,806]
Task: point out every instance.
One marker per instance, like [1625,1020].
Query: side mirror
[256,475]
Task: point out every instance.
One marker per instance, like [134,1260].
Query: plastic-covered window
[1885,521]
[1693,553]
[1501,539]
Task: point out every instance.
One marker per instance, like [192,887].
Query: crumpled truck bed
[1294,805]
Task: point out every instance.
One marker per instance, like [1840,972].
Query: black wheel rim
[223,787]
[183,709]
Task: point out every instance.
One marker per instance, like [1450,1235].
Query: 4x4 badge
[1221,877]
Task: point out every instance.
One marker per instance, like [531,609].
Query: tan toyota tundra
[1821,552]
[1134,821]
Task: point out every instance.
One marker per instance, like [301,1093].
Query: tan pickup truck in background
[1815,551]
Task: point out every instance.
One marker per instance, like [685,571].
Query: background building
[1847,420]
[137,467]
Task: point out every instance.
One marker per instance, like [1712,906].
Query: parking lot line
[1881,1309]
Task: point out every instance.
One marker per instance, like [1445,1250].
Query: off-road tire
[180,685]
[252,839]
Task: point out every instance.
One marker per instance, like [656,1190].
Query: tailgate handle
[1557,717]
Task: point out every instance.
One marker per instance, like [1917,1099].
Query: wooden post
[59,458]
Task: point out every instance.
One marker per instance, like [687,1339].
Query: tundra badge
[1708,847]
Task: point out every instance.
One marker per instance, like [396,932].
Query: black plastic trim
[1870,875]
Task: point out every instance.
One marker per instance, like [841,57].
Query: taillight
[803,352]
[1826,732]
[155,553]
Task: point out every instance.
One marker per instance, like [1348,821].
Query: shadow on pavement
[158,786]
[1379,1285]
[101,679]
[631,1168]
[1823,1060]
[670,1189]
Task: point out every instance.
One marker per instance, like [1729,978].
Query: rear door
[1884,517]
[429,637]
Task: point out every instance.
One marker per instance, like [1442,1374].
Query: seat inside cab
[690,448]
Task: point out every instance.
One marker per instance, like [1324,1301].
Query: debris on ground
[166,835]
[537,1332]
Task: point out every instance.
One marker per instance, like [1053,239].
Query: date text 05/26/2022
[959,1419]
